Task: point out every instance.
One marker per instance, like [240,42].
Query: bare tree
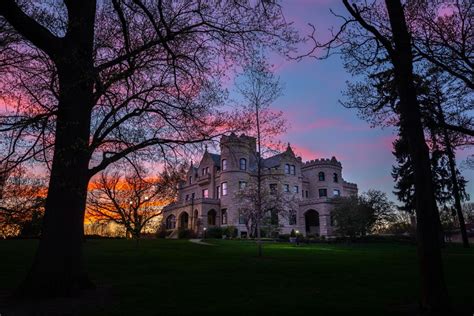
[260,88]
[130,199]
[22,197]
[96,81]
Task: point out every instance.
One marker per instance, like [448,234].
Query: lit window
[292,219]
[205,193]
[224,188]
[335,177]
[243,164]
[336,192]
[287,168]
[224,216]
[293,170]
[242,184]
[286,187]
[224,164]
[321,176]
[296,189]
[323,192]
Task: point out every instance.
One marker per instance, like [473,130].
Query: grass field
[176,277]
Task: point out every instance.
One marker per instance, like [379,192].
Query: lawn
[176,277]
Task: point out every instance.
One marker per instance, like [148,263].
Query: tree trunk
[454,180]
[434,294]
[58,268]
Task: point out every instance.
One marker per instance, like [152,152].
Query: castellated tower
[238,160]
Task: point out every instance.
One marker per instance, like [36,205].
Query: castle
[208,196]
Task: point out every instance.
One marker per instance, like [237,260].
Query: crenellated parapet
[322,162]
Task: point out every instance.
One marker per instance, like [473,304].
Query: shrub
[293,233]
[230,231]
[214,232]
[186,233]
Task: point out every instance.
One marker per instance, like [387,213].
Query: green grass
[176,277]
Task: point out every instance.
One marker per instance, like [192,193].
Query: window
[273,217]
[171,222]
[336,192]
[224,188]
[296,189]
[293,170]
[187,197]
[242,184]
[190,179]
[302,193]
[321,176]
[332,220]
[287,169]
[323,192]
[224,164]
[286,187]
[242,218]
[205,193]
[307,193]
[273,188]
[243,164]
[292,219]
[192,196]
[335,177]
[218,192]
[224,216]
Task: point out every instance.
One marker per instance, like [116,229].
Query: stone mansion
[207,198]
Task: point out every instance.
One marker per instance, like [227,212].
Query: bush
[186,234]
[214,232]
[230,231]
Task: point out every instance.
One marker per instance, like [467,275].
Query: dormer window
[293,170]
[287,169]
[335,178]
[243,164]
[224,164]
[321,176]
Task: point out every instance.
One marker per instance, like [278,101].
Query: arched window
[211,218]
[335,177]
[321,176]
[224,188]
[171,222]
[243,164]
[224,164]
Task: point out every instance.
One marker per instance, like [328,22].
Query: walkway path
[200,242]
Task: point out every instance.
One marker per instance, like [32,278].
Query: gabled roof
[216,158]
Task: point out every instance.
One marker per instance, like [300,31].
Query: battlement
[322,161]
[233,139]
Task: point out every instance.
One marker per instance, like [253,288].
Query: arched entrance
[171,222]
[211,218]
[183,220]
[311,219]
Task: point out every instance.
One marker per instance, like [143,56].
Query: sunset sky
[319,125]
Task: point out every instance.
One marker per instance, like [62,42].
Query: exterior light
[205,228]
[297,231]
[146,198]
[131,202]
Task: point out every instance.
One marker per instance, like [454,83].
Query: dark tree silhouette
[383,41]
[95,81]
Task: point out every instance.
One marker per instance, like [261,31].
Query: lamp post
[205,228]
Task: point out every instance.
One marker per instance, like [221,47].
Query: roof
[216,158]
[273,161]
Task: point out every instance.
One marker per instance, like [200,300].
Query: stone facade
[208,198]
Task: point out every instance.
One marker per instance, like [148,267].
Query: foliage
[360,215]
[186,233]
[214,232]
[230,231]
